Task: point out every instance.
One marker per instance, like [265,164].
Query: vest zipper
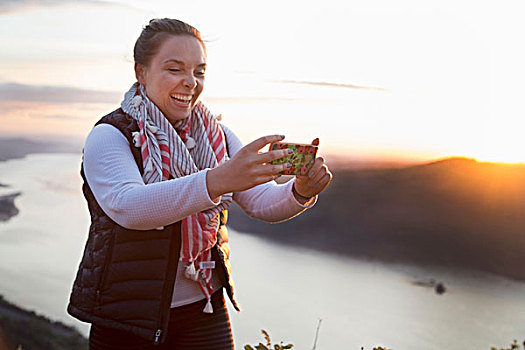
[169,283]
[157,336]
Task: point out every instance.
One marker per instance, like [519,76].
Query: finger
[315,142]
[312,171]
[314,180]
[325,180]
[318,187]
[318,164]
[270,169]
[256,145]
[274,155]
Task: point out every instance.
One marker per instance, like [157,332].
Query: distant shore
[19,147]
[8,208]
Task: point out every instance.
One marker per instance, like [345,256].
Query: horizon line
[328,84]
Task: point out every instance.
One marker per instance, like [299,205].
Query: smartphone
[302,158]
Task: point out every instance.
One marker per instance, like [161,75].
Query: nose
[190,81]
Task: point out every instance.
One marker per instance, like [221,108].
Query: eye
[174,69]
[200,73]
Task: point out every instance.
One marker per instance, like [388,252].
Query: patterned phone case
[301,159]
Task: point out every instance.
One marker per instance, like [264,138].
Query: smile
[183,99]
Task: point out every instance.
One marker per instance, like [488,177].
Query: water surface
[281,288]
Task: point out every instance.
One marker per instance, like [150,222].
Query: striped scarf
[170,152]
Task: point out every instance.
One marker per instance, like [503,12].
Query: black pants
[189,329]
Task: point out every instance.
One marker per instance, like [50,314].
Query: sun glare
[503,141]
[505,157]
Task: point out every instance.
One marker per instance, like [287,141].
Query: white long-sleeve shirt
[118,187]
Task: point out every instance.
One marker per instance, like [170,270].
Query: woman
[159,174]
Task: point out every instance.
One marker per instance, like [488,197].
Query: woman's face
[174,78]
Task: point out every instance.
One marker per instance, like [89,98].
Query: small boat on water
[439,287]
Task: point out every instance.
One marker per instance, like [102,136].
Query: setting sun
[503,141]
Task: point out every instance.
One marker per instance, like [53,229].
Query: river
[282,289]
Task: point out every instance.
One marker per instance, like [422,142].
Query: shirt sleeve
[119,189]
[271,202]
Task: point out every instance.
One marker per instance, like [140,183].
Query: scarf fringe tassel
[208,309]
[190,272]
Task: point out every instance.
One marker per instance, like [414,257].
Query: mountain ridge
[449,212]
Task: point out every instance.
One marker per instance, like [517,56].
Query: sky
[372,79]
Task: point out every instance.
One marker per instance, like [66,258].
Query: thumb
[315,142]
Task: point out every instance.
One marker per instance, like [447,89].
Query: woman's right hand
[246,169]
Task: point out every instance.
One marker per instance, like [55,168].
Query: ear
[140,73]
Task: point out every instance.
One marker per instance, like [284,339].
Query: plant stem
[317,333]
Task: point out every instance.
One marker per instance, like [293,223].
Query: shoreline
[8,208]
[18,148]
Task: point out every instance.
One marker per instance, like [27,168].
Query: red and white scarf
[170,152]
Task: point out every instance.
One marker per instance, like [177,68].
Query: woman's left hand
[314,182]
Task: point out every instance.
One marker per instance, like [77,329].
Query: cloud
[10,6]
[55,116]
[14,92]
[250,99]
[336,85]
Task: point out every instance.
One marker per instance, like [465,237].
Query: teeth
[183,98]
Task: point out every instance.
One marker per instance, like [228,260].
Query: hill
[453,212]
[18,147]
[35,332]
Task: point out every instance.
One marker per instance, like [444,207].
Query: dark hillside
[19,327]
[455,212]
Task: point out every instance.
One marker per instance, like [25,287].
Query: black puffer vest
[125,279]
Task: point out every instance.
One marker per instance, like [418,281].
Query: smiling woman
[174,77]
[159,175]
[171,69]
